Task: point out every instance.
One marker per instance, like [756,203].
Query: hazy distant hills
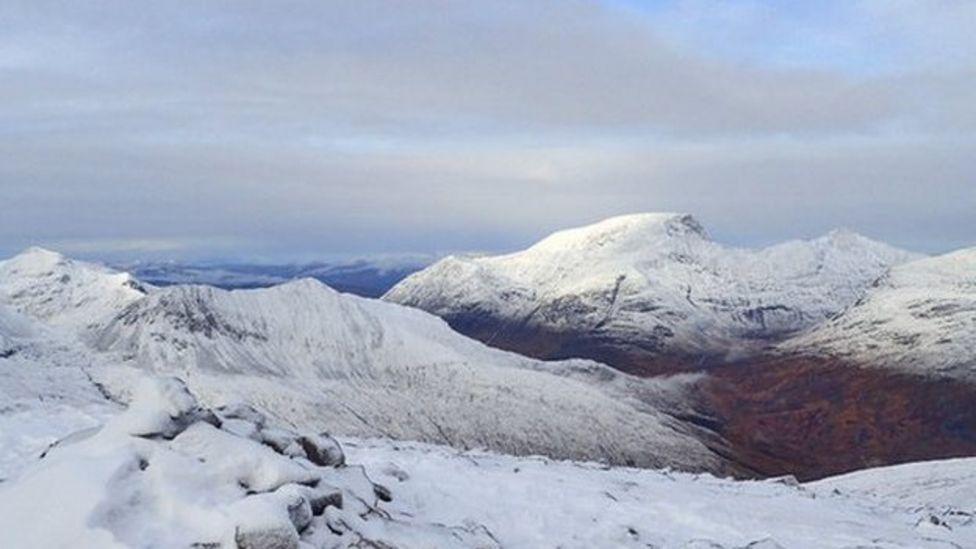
[368,277]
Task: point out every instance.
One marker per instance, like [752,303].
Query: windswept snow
[655,282]
[919,319]
[52,288]
[536,502]
[319,359]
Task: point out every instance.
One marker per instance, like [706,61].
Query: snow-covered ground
[537,502]
[167,473]
[655,281]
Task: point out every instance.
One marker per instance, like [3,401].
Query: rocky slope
[648,293]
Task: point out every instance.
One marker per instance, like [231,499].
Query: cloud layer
[293,129]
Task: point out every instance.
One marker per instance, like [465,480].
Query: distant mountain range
[368,277]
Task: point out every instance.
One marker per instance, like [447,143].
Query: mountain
[56,290]
[648,293]
[368,277]
[317,358]
[920,319]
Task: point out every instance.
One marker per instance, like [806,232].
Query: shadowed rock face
[814,417]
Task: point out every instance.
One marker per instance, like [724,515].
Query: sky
[292,130]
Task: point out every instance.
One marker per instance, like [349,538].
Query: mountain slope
[889,380]
[56,290]
[647,293]
[317,358]
[920,319]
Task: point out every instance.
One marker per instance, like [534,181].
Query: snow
[919,319]
[318,359]
[537,502]
[44,392]
[638,276]
[47,286]
[189,462]
[207,485]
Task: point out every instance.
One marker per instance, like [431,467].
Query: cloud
[302,126]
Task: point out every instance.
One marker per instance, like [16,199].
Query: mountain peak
[633,231]
[35,259]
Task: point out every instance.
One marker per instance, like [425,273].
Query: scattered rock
[275,537]
[382,493]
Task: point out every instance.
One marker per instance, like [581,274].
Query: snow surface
[537,502]
[920,319]
[45,392]
[318,359]
[197,486]
[657,276]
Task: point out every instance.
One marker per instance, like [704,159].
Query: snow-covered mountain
[641,291]
[320,359]
[919,319]
[56,290]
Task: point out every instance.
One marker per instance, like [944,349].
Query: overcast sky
[288,130]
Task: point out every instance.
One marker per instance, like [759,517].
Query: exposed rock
[274,537]
[322,450]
